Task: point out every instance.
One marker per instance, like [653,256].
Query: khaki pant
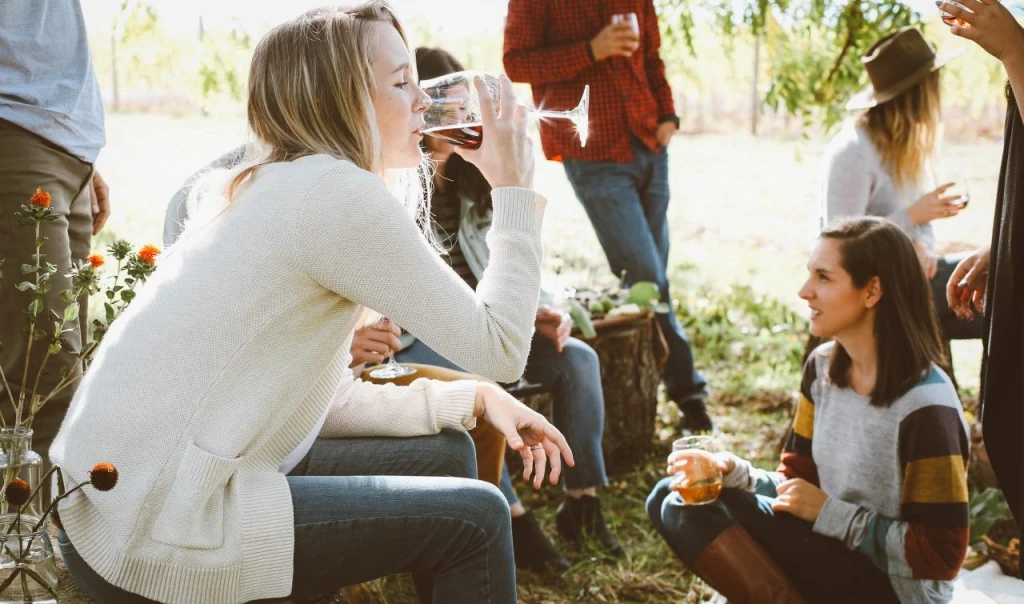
[490,444]
[26,162]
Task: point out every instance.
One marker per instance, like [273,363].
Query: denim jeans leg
[578,406]
[420,353]
[611,195]
[822,568]
[687,530]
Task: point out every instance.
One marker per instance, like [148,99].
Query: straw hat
[895,63]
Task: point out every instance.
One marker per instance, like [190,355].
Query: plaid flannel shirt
[547,46]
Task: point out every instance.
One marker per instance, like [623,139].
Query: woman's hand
[373,343]
[934,205]
[526,431]
[505,157]
[554,325]
[990,25]
[929,261]
[679,461]
[966,286]
[800,498]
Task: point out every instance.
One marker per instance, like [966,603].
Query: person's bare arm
[991,26]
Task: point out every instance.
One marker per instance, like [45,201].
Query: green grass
[743,217]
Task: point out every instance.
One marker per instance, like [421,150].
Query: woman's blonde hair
[311,83]
[905,130]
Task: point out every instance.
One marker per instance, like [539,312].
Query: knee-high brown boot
[739,569]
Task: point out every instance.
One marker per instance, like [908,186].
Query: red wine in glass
[468,136]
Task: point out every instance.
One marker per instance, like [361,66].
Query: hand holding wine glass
[990,24]
[391,370]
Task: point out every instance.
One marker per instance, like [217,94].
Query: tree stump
[633,352]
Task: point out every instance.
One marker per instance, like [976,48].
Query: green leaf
[581,319]
[110,295]
[71,312]
[127,295]
[643,292]
[39,334]
[35,307]
[41,241]
[110,312]
[54,348]
[987,508]
[24,286]
[27,269]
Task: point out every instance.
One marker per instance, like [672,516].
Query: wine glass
[454,112]
[700,480]
[391,370]
[965,197]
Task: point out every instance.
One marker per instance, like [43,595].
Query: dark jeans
[365,508]
[822,568]
[578,406]
[628,207]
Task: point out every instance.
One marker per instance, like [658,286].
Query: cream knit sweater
[236,347]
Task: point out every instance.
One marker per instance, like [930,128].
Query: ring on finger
[536,448]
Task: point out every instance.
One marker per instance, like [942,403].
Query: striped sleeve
[929,541]
[797,461]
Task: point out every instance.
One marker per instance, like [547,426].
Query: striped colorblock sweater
[896,476]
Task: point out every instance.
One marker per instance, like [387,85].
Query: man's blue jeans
[578,406]
[364,508]
[628,207]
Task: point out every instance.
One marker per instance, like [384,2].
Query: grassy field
[743,213]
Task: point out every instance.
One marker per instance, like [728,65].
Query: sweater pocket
[193,514]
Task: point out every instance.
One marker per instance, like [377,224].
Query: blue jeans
[578,407]
[822,568]
[628,207]
[364,509]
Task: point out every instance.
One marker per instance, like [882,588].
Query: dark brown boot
[739,569]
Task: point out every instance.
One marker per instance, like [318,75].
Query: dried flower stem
[31,338]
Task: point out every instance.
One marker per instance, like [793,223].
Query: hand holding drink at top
[620,38]
[698,471]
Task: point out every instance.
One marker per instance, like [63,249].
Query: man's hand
[371,344]
[665,132]
[615,40]
[800,498]
[100,193]
[554,325]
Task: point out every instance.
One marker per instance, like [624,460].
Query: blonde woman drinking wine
[231,365]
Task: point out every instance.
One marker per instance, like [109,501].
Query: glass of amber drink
[698,479]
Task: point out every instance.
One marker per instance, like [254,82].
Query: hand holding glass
[454,112]
[391,370]
[698,479]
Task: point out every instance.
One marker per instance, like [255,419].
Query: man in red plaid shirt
[621,176]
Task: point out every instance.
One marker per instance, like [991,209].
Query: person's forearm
[1014,65]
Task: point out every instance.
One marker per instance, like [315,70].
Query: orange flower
[41,198]
[95,260]
[148,254]
[103,476]
[17,492]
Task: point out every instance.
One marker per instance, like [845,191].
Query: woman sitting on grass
[869,503]
[223,392]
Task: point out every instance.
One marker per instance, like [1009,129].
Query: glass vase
[18,460]
[28,569]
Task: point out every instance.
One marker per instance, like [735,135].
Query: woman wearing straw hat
[991,278]
[881,163]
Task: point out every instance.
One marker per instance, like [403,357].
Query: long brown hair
[465,179]
[906,334]
[905,130]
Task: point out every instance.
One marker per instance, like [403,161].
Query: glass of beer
[698,479]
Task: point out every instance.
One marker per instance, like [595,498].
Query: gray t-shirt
[47,84]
